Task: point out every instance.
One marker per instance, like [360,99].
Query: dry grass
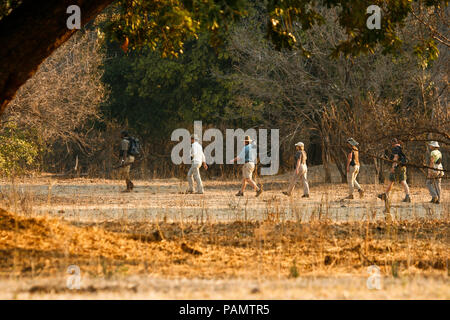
[270,248]
[43,247]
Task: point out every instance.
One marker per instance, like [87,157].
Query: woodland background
[68,116]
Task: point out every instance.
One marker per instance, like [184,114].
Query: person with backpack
[129,148]
[300,171]
[197,159]
[398,171]
[248,154]
[434,176]
[353,168]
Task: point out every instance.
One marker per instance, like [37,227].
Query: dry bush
[60,103]
[323,101]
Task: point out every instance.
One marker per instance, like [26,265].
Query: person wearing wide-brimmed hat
[300,171]
[197,160]
[434,176]
[353,166]
[248,154]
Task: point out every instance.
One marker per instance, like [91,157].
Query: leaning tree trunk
[30,34]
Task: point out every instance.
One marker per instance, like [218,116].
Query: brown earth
[268,246]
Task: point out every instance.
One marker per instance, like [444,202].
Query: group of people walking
[248,156]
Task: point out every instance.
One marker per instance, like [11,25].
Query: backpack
[134,147]
[402,158]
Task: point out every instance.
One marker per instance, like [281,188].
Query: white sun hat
[299,144]
[433,144]
[352,142]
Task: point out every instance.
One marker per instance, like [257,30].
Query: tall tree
[30,30]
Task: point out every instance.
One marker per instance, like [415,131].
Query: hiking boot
[407,198]
[437,201]
[130,185]
[350,197]
[189,192]
[286,193]
[433,200]
[382,196]
[305,196]
[199,192]
[239,194]
[260,190]
[361,193]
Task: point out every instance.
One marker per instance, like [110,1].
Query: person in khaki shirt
[126,160]
[434,177]
[300,172]
[353,166]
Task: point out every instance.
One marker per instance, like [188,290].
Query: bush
[18,152]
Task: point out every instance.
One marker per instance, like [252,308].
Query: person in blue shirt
[248,154]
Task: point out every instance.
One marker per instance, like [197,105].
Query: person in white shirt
[197,159]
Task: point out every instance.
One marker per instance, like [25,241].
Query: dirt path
[101,200]
[300,288]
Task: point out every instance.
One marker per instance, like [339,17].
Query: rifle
[136,161]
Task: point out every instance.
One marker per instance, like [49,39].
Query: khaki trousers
[194,173]
[301,176]
[434,186]
[125,169]
[351,179]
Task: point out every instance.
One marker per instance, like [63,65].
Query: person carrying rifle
[126,160]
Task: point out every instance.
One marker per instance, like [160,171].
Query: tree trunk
[30,34]
[326,162]
[340,167]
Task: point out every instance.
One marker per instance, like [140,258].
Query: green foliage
[426,51]
[7,6]
[154,95]
[18,152]
[166,25]
[293,270]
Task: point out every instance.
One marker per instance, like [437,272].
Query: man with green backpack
[129,149]
[398,171]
